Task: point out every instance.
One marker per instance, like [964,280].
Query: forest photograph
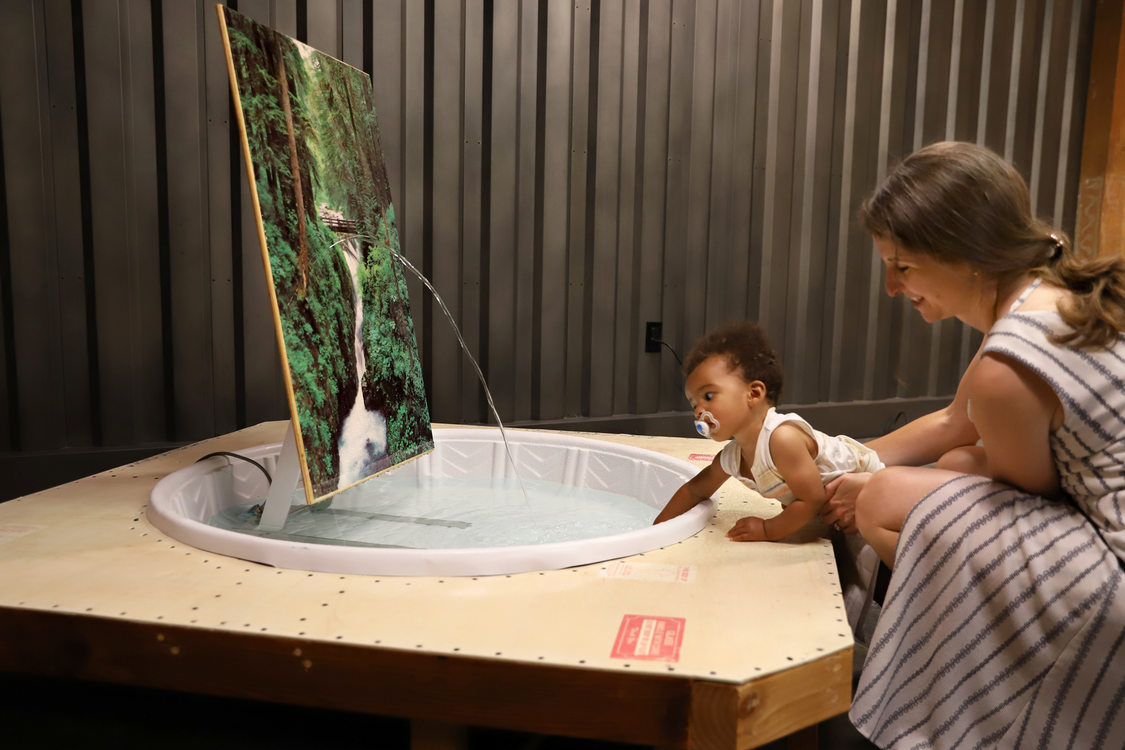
[309,125]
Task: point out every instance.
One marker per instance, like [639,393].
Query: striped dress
[1004,623]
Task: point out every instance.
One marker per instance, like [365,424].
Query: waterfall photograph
[310,134]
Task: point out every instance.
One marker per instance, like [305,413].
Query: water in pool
[451,513]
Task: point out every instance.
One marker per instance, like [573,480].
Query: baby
[733,384]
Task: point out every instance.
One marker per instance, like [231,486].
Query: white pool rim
[181,503]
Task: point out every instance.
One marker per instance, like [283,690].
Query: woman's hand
[839,504]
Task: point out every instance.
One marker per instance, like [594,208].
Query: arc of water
[464,347]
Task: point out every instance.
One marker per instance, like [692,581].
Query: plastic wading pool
[182,504]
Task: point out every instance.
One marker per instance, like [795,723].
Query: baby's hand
[748,529]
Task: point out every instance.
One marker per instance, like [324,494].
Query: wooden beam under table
[663,711]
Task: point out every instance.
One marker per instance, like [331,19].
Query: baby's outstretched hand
[748,529]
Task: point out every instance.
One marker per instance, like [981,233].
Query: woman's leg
[968,459]
[886,499]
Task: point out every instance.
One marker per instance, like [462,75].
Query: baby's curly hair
[747,349]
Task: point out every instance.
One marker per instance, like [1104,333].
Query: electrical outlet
[654,332]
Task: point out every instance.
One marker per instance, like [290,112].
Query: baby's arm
[694,491]
[794,454]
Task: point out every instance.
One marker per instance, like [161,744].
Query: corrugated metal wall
[563,171]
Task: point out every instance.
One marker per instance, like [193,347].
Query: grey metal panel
[448,255]
[498,362]
[1069,114]
[722,160]
[628,330]
[847,148]
[653,368]
[387,80]
[811,211]
[34,294]
[968,60]
[283,16]
[471,213]
[822,218]
[141,231]
[936,96]
[409,202]
[997,72]
[67,230]
[875,345]
[1014,79]
[222,152]
[325,26]
[772,194]
[118,274]
[1036,171]
[551,339]
[681,37]
[733,242]
[760,174]
[985,69]
[972,86]
[918,341]
[607,283]
[698,171]
[188,215]
[351,32]
[532,350]
[664,160]
[579,201]
[781,201]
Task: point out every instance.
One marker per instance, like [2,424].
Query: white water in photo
[363,435]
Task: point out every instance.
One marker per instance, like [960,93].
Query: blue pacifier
[706,423]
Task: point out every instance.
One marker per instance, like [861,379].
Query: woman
[1004,622]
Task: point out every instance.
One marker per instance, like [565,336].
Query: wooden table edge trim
[617,706]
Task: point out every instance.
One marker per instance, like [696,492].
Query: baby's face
[714,387]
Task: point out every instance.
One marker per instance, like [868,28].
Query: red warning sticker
[649,637]
[701,457]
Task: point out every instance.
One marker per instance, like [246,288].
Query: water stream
[354,258]
[397,510]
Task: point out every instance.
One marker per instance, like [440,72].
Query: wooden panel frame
[1100,226]
[671,712]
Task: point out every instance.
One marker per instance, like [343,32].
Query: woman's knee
[887,497]
[868,503]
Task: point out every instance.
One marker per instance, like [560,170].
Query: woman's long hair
[960,202]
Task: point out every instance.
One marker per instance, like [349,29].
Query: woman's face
[936,290]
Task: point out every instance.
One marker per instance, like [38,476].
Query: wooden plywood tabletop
[704,643]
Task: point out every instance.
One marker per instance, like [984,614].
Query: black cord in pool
[269,479]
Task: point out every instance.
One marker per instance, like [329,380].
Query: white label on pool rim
[649,572]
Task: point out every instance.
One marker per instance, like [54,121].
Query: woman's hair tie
[1057,249]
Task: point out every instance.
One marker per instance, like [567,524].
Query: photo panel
[326,224]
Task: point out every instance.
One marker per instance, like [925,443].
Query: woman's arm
[928,438]
[922,441]
[1015,411]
